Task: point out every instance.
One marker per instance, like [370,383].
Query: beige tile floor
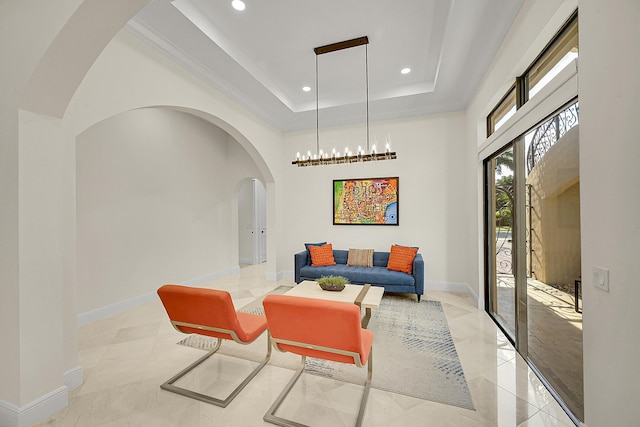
[126,357]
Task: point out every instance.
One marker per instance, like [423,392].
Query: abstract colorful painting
[368,201]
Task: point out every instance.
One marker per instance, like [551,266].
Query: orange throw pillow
[322,255]
[401,258]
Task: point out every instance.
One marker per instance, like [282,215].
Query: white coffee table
[366,296]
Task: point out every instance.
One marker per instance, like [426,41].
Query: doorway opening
[252,223]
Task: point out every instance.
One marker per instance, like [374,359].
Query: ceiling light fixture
[405,70]
[238,5]
[362,155]
[306,89]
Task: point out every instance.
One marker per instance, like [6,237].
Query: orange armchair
[321,329]
[210,312]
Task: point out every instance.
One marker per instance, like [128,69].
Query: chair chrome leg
[168,385]
[270,416]
[367,387]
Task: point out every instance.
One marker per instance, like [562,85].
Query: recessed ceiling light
[306,88]
[405,70]
[238,4]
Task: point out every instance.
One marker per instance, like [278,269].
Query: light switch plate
[601,278]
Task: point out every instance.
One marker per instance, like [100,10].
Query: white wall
[35,274]
[154,194]
[610,207]
[44,174]
[432,192]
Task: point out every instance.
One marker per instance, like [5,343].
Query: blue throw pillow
[306,245]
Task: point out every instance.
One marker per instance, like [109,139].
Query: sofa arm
[299,261]
[418,274]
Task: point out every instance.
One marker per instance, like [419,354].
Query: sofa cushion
[360,275]
[381,259]
[322,255]
[401,258]
[341,256]
[360,258]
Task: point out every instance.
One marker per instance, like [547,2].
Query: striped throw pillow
[360,257]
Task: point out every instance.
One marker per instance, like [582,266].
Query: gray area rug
[413,352]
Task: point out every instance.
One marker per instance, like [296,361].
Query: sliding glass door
[554,308]
[532,193]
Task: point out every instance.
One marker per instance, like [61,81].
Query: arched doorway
[154,188]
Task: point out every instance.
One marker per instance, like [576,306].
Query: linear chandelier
[361,154]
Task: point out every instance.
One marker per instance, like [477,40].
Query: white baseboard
[115,308]
[73,378]
[284,274]
[34,412]
[287,274]
[212,276]
[451,287]
[272,277]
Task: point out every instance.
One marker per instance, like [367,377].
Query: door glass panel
[554,317]
[500,231]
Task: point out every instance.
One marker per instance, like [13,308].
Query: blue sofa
[378,275]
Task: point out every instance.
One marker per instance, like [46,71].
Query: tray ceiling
[262,57]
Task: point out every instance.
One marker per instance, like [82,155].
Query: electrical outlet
[601,278]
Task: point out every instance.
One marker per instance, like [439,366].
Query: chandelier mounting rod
[333,47]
